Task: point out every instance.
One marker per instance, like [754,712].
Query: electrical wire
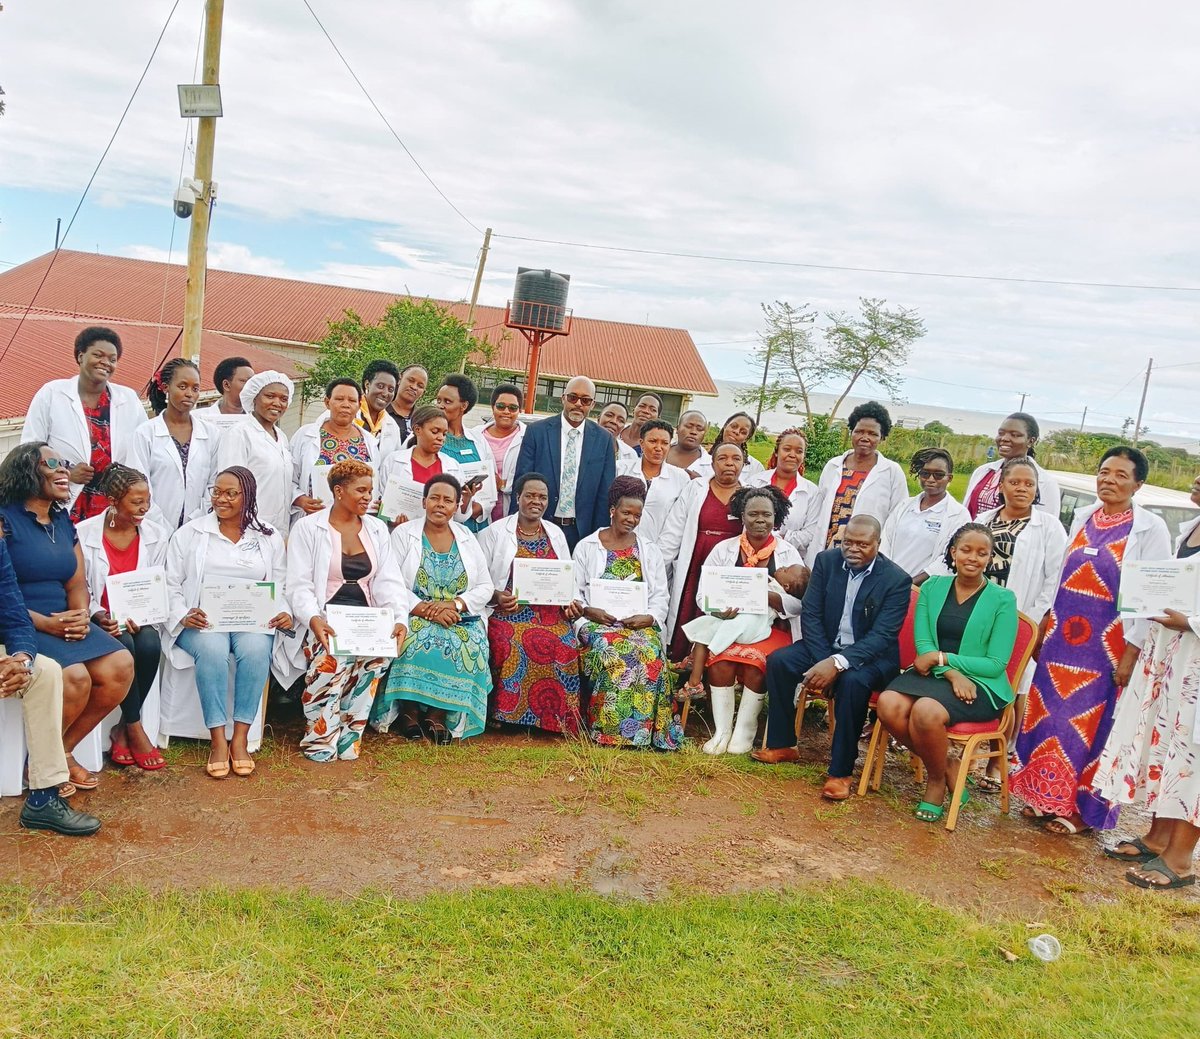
[91,179]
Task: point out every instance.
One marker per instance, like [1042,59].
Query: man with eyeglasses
[577,457]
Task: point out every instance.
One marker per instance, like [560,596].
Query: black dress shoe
[60,817]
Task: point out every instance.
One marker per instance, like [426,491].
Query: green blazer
[987,641]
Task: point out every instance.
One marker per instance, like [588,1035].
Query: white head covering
[260,381]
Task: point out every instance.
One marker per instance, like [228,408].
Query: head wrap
[258,382]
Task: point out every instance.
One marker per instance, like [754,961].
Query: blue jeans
[210,649]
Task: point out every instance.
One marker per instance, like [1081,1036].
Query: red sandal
[151,761]
[119,754]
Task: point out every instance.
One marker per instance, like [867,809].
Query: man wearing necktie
[577,459]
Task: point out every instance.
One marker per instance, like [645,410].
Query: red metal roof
[42,351]
[116,288]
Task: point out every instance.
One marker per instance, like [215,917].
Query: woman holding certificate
[121,540]
[341,557]
[404,475]
[664,483]
[1153,751]
[535,655]
[228,560]
[622,604]
[1089,653]
[35,496]
[439,683]
[333,438]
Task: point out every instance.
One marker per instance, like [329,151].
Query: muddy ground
[511,808]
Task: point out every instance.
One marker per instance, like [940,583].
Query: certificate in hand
[1150,587]
[620,598]
[544,582]
[362,631]
[139,596]
[232,605]
[319,484]
[401,498]
[473,469]
[734,587]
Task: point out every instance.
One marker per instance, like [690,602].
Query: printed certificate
[401,498]
[620,598]
[361,631]
[1150,587]
[232,605]
[544,582]
[319,483]
[734,587]
[139,596]
[474,469]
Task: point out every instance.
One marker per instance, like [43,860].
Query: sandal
[1065,826]
[1156,865]
[119,754]
[691,691]
[438,734]
[985,784]
[1143,853]
[1035,815]
[929,813]
[92,780]
[67,789]
[151,761]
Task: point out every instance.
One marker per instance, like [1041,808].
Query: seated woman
[340,556]
[439,683]
[415,465]
[334,437]
[535,655]
[121,540]
[918,530]
[623,657]
[729,648]
[664,482]
[35,495]
[228,544]
[965,631]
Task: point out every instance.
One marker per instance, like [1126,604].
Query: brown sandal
[92,780]
[243,767]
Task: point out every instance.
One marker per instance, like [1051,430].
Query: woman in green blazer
[965,631]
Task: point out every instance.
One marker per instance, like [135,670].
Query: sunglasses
[576,398]
[932,474]
[506,407]
[56,463]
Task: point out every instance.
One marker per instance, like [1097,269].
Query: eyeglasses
[576,398]
[216,494]
[932,474]
[506,407]
[56,463]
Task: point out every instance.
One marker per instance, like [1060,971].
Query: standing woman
[918,530]
[379,381]
[174,450]
[785,472]
[340,556]
[469,448]
[35,492]
[738,429]
[411,388]
[1017,437]
[257,443]
[504,434]
[229,377]
[87,419]
[861,481]
[1151,754]
[688,450]
[623,656]
[664,483]
[1089,652]
[334,437]
[418,464]
[534,652]
[613,419]
[699,520]
[121,540]
[229,543]
[439,683]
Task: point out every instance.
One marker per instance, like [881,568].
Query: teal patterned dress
[631,703]
[443,667]
[464,450]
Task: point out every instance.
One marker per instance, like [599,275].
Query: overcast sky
[1030,140]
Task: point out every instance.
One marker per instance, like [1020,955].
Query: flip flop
[929,813]
[1156,865]
[985,784]
[151,761]
[1066,827]
[1143,854]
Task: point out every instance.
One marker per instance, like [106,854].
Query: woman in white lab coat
[918,531]
[258,444]
[738,429]
[87,419]
[664,483]
[339,690]
[785,470]
[415,466]
[469,448]
[1016,438]
[859,482]
[175,450]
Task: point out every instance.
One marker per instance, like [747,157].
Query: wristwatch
[26,661]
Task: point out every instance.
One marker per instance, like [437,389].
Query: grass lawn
[839,960]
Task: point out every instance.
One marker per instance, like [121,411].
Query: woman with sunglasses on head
[1017,437]
[785,472]
[917,532]
[35,495]
[504,433]
[230,543]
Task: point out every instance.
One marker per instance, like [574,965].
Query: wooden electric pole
[1137,425]
[206,138]
[487,242]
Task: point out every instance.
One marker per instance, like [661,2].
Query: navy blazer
[541,452]
[879,610]
[16,627]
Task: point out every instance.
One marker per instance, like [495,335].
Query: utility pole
[762,390]
[1137,425]
[1023,396]
[206,138]
[487,242]
[1084,419]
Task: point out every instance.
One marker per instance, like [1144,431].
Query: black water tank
[540,299]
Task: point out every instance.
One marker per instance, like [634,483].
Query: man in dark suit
[577,457]
[850,624]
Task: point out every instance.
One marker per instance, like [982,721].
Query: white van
[1079,490]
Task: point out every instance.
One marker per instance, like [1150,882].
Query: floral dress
[631,703]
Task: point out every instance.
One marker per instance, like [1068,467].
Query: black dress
[951,624]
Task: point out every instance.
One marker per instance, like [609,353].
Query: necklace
[529,533]
[50,532]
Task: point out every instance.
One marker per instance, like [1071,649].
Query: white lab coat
[727,553]
[56,416]
[247,443]
[591,557]
[663,492]
[399,467]
[625,453]
[751,470]
[387,441]
[504,479]
[173,490]
[797,528]
[499,544]
[1049,495]
[407,552]
[882,490]
[306,449]
[152,551]
[920,554]
[487,495]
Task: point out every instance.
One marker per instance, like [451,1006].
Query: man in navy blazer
[578,459]
[850,624]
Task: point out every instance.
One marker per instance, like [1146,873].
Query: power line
[87,187]
[844,267]
[391,130]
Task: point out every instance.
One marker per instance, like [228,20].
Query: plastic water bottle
[1045,947]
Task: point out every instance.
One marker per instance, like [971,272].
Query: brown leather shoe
[837,788]
[775,755]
